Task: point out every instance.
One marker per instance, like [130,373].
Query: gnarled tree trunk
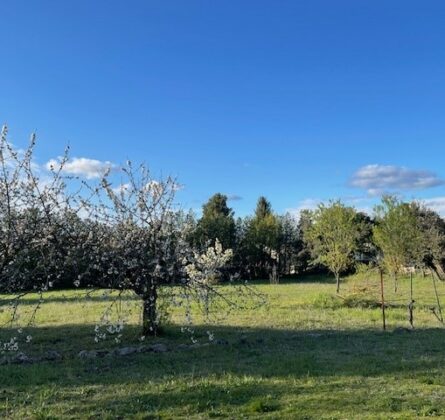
[149,313]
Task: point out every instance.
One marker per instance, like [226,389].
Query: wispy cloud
[234,197]
[378,179]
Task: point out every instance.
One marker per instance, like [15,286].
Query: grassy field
[306,355]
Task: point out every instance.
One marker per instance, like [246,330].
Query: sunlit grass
[304,355]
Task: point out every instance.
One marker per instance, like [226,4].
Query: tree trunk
[395,283]
[337,279]
[274,274]
[149,314]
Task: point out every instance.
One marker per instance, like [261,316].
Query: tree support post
[383,300]
[439,306]
[411,303]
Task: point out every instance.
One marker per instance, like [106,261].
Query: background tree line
[265,245]
[333,237]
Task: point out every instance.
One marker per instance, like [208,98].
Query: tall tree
[263,235]
[366,249]
[241,261]
[263,208]
[333,236]
[304,256]
[397,234]
[290,244]
[217,223]
[430,251]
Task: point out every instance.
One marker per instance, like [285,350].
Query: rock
[158,348]
[21,358]
[200,345]
[126,351]
[155,348]
[52,356]
[85,354]
[93,354]
[183,347]
[195,346]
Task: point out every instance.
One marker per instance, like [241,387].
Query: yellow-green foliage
[397,233]
[333,235]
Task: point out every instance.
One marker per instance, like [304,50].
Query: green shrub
[263,405]
[327,301]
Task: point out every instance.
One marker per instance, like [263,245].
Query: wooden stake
[411,303]
[437,297]
[383,300]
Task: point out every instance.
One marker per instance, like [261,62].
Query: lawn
[306,354]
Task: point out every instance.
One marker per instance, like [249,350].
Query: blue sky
[299,101]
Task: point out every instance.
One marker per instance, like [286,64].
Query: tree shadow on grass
[248,368]
[247,351]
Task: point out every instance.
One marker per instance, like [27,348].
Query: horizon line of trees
[334,237]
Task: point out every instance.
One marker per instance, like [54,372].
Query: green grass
[308,354]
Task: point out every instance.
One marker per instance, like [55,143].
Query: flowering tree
[144,248]
[40,239]
[57,230]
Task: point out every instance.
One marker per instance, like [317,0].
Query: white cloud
[378,179]
[155,188]
[361,204]
[437,204]
[178,187]
[122,188]
[306,204]
[84,167]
